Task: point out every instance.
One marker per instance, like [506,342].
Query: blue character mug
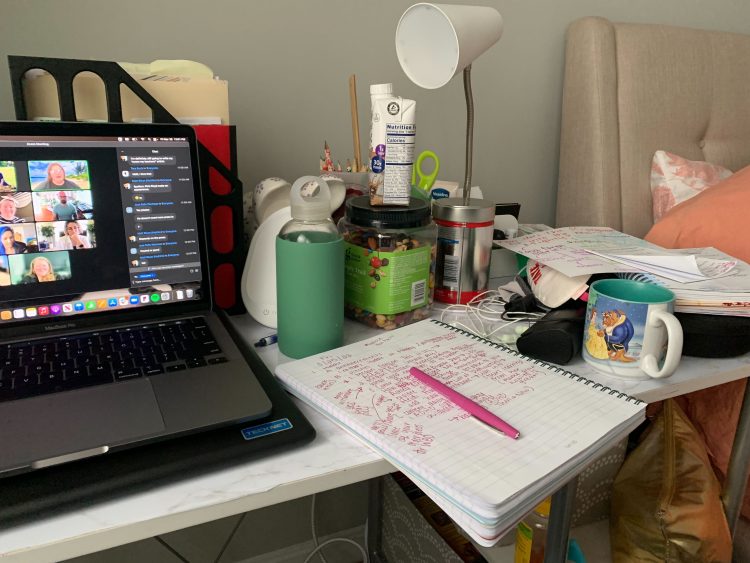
[630,330]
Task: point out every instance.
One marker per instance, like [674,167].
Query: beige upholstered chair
[632,89]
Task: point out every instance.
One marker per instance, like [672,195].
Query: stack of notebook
[727,295]
[704,280]
[486,480]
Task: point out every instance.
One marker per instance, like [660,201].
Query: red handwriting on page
[375,384]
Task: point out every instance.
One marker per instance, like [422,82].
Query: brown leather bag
[666,503]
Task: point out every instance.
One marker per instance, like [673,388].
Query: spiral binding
[639,276]
[541,363]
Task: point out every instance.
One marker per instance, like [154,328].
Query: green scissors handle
[418,177]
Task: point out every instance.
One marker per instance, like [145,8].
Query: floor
[207,545]
[280,533]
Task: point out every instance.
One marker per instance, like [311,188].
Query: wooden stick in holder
[355,122]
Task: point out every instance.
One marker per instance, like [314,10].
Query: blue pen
[267,340]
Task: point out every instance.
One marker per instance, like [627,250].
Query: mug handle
[674,345]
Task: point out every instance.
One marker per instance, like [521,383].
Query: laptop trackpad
[68,422]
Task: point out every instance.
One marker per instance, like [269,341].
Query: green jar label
[387,283]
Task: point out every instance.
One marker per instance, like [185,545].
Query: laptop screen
[95,221]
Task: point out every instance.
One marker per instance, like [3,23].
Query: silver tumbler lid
[453,209]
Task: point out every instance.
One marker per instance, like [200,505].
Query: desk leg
[560,517]
[739,463]
[375,520]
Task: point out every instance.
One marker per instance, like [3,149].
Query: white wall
[288,61]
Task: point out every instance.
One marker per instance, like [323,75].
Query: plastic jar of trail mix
[389,262]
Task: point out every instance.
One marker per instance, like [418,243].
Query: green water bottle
[309,273]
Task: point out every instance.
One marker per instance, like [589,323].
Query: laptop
[107,337]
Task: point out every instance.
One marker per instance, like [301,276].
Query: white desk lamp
[434,42]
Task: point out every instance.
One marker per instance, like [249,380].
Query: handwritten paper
[677,266]
[724,295]
[364,384]
[576,251]
[366,387]
[736,281]
[564,249]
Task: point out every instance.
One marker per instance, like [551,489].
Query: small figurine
[327,166]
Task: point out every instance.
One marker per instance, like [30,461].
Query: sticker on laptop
[266,428]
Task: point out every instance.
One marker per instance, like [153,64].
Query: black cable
[171,549]
[230,537]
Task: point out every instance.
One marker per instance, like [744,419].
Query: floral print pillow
[675,179]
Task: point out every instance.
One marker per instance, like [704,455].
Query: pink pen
[466,404]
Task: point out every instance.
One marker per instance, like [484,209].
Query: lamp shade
[434,42]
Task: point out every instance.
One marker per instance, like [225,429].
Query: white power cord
[319,546]
[325,543]
[483,312]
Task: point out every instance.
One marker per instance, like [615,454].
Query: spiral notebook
[485,479]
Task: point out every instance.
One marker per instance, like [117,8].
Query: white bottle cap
[381,89]
[310,199]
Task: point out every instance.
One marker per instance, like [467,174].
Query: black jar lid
[360,212]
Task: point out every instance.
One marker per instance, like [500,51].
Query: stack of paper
[486,480]
[727,295]
[680,268]
[704,280]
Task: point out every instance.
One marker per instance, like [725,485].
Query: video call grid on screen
[56,191]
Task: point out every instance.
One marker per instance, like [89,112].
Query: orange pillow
[718,217]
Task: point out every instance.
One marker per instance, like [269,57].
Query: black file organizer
[226,266]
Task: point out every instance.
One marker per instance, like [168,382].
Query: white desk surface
[692,375]
[332,460]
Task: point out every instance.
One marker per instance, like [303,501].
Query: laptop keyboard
[57,364]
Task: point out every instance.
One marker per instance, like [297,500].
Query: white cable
[319,546]
[314,531]
[498,329]
[365,558]
[474,329]
[488,308]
